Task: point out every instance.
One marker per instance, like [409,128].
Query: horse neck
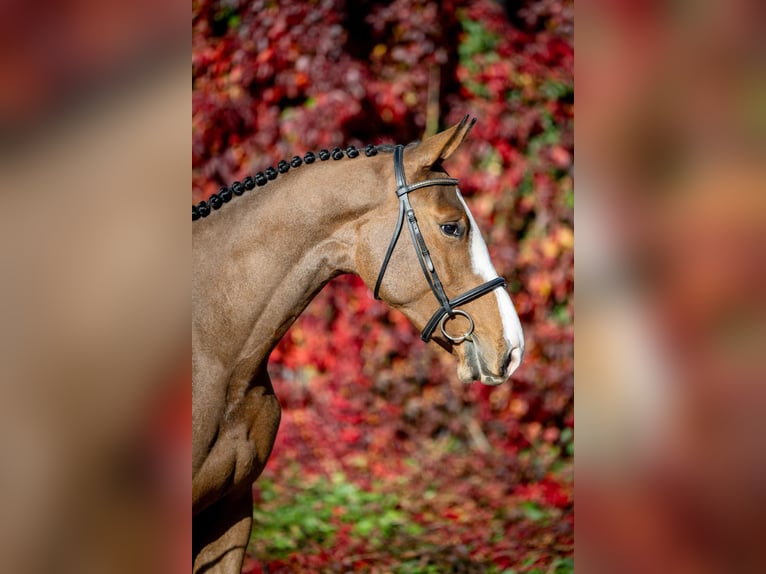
[261,259]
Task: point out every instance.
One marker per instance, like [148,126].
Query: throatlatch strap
[391,245]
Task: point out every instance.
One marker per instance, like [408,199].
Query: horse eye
[452,230]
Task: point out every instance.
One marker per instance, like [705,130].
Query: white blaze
[482,266]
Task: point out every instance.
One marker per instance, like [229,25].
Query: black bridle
[448,307]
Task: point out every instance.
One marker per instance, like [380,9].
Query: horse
[258,264]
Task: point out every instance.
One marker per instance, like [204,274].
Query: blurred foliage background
[384,462]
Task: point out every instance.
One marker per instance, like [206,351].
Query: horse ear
[440,146]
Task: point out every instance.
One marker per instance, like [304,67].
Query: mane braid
[225,194]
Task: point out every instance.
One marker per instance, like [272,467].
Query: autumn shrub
[363,397]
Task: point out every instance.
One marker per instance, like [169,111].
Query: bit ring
[464,336]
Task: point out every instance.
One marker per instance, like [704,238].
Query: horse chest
[242,446]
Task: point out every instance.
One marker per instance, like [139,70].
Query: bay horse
[258,264]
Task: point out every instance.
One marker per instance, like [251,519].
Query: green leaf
[564,566]
[532,511]
[554,90]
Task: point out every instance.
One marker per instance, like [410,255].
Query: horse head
[441,276]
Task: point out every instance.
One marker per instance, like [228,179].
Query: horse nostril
[512,361]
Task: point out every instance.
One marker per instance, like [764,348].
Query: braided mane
[227,193]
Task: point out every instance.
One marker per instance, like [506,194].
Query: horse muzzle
[474,363]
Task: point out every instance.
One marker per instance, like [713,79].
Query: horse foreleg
[221,533]
[222,487]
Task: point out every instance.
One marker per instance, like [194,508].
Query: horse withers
[258,263]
